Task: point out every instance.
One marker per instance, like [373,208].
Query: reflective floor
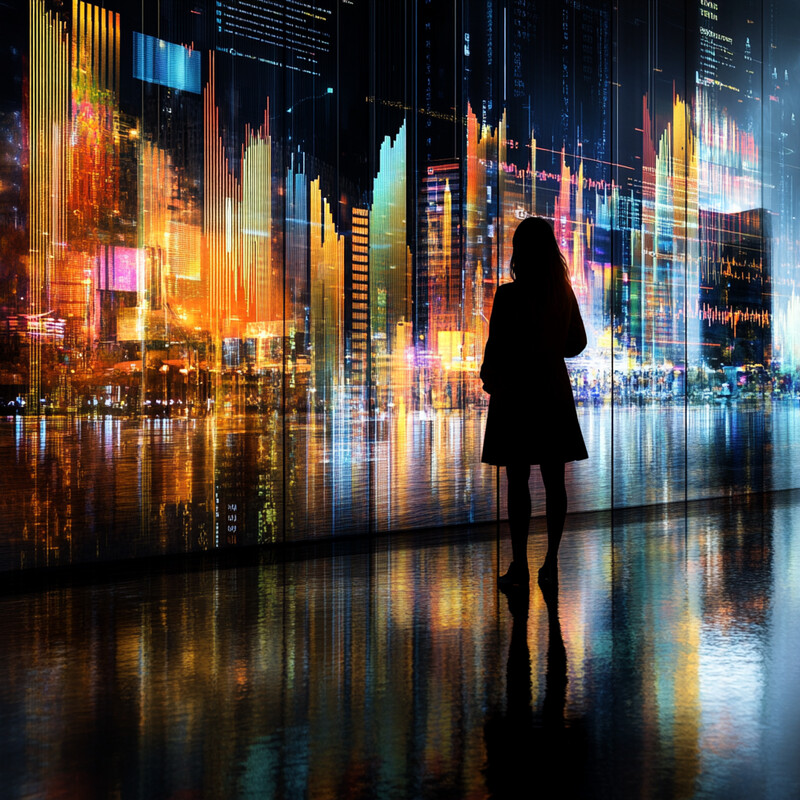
[80,491]
[667,666]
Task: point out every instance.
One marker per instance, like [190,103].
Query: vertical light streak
[533,206]
[156,189]
[327,296]
[216,192]
[48,115]
[297,255]
[93,198]
[389,299]
[481,146]
[256,221]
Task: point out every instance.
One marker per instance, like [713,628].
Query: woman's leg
[555,492]
[519,512]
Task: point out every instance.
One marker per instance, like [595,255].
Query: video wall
[248,252]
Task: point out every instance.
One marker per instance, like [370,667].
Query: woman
[535,324]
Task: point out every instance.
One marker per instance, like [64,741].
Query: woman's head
[537,258]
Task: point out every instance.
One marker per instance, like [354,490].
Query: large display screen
[248,252]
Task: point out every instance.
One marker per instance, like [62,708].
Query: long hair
[537,260]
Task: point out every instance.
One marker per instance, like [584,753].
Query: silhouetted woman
[535,325]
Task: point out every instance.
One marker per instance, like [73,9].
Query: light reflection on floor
[669,667]
[84,490]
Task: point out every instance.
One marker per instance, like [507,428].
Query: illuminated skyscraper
[389,261]
[327,297]
[480,212]
[297,250]
[731,276]
[359,297]
[445,290]
[668,225]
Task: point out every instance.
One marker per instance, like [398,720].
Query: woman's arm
[492,354]
[576,335]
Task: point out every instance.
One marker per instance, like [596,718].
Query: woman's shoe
[515,577]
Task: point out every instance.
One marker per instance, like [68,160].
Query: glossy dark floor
[668,666]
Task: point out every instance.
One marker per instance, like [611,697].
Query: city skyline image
[249,253]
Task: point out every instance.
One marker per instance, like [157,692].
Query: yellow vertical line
[219,198]
[110,51]
[105,30]
[83,45]
[45,184]
[216,189]
[250,201]
[47,139]
[246,203]
[86,45]
[254,210]
[220,202]
[212,193]
[257,199]
[261,278]
[32,156]
[214,204]
[255,222]
[243,204]
[230,273]
[59,163]
[55,226]
[95,12]
[233,265]
[230,253]
[208,191]
[257,245]
[99,49]
[35,192]
[248,243]
[74,31]
[49,131]
[223,266]
[63,142]
[105,21]
[117,31]
[58,230]
[244,197]
[79,42]
[42,153]
[37,197]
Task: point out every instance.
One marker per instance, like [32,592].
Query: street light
[165,370]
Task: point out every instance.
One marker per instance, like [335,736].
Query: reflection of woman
[510,737]
[526,749]
[535,324]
